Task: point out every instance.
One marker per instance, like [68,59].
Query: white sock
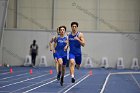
[72,76]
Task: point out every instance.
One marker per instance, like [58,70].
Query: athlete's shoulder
[54,37]
[68,33]
[81,34]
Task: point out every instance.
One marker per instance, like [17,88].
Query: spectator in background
[33,52]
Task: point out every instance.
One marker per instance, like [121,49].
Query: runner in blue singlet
[61,45]
[51,44]
[76,40]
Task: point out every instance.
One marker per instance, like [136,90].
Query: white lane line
[104,85]
[13,76]
[18,75]
[7,72]
[4,81]
[32,84]
[70,84]
[115,73]
[42,85]
[136,81]
[37,74]
[76,84]
[4,91]
[22,81]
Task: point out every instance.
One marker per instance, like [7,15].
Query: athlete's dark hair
[76,23]
[62,27]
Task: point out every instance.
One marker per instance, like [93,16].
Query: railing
[3,3]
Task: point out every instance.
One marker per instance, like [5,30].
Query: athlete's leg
[56,64]
[60,62]
[77,66]
[78,60]
[59,68]
[56,61]
[63,70]
[72,66]
[33,59]
[63,73]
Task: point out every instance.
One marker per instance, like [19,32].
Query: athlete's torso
[61,43]
[75,46]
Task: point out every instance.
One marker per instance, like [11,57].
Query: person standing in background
[33,52]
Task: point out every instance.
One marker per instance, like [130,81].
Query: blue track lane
[41,81]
